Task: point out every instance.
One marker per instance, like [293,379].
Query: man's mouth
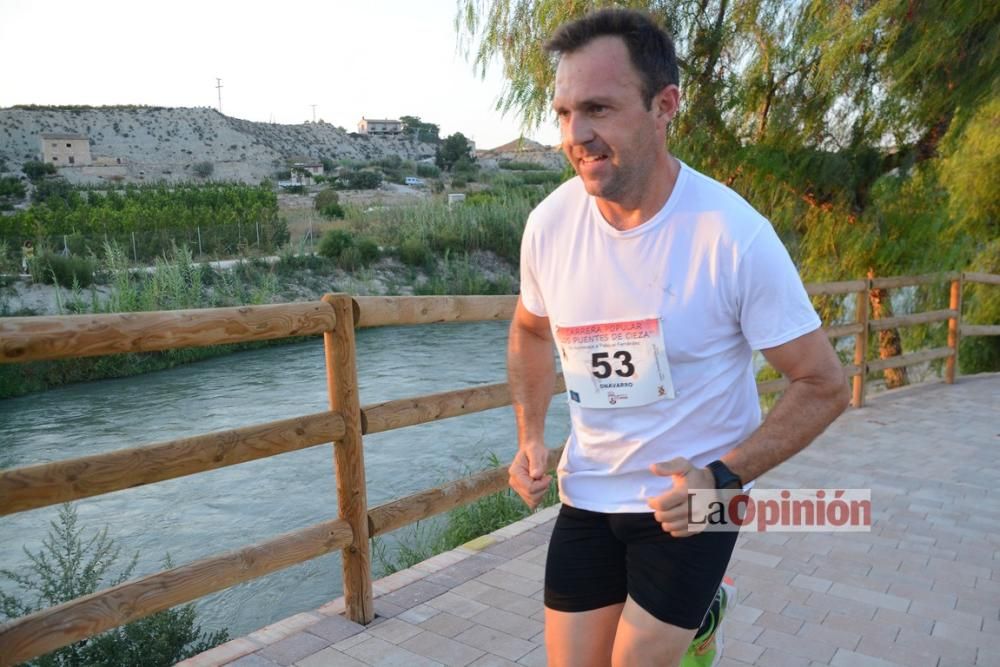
[590,159]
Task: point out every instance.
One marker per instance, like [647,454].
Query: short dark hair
[649,46]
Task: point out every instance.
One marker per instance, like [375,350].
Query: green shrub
[53,269]
[361,180]
[333,211]
[325,198]
[368,250]
[69,566]
[459,182]
[36,170]
[541,177]
[334,242]
[11,188]
[415,252]
[203,169]
[428,171]
[518,166]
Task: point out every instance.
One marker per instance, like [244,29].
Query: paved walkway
[921,589]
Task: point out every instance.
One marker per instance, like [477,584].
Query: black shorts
[597,559]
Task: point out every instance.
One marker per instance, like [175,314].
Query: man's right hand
[527,474]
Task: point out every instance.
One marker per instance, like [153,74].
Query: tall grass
[491,223]
[173,283]
[460,276]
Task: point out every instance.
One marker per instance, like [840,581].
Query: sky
[372,58]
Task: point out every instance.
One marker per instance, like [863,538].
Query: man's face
[608,134]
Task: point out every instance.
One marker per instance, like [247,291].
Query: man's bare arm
[531,375]
[817,394]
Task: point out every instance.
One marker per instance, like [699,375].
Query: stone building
[379,126]
[66,150]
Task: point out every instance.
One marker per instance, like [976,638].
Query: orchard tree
[860,129]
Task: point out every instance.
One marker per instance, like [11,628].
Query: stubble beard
[620,186]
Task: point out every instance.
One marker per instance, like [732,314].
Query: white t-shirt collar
[658,218]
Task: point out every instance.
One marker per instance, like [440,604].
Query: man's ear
[667,102]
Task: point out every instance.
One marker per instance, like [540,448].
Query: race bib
[615,364]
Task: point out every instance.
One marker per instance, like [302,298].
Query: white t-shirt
[714,274]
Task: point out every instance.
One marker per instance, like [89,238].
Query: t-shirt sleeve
[773,305]
[531,294]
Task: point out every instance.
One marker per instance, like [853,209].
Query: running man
[655,283]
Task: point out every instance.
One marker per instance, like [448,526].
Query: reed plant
[492,224]
[177,282]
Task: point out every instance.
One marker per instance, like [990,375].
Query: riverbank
[182,283]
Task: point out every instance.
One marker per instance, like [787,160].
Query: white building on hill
[379,126]
[66,150]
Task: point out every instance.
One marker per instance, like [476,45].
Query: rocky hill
[154,143]
[522,150]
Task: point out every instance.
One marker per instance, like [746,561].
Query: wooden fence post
[861,345]
[954,324]
[349,459]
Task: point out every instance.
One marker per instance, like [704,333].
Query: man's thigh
[600,565]
[585,589]
[582,638]
[674,579]
[642,640]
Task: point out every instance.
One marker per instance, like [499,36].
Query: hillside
[522,150]
[154,143]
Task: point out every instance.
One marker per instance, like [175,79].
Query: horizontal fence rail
[834,288]
[39,338]
[927,317]
[425,504]
[377,311]
[64,336]
[45,484]
[52,628]
[403,412]
[910,281]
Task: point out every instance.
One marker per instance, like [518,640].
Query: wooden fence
[336,316]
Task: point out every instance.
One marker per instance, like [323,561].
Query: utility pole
[314,112]
[218,84]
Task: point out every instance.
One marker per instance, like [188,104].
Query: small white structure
[455,198]
[302,172]
[379,126]
[65,149]
[414,181]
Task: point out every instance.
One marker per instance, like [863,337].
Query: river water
[205,514]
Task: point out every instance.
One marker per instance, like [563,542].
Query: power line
[218,85]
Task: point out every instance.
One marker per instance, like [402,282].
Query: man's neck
[650,197]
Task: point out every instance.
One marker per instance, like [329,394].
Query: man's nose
[577,129]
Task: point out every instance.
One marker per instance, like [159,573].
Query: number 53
[602,368]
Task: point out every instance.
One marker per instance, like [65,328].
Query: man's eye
[597,109]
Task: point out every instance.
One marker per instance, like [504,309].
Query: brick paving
[922,588]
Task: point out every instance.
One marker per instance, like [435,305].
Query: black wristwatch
[724,477]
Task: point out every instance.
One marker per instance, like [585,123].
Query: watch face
[724,477]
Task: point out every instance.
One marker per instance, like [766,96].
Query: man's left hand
[671,509]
